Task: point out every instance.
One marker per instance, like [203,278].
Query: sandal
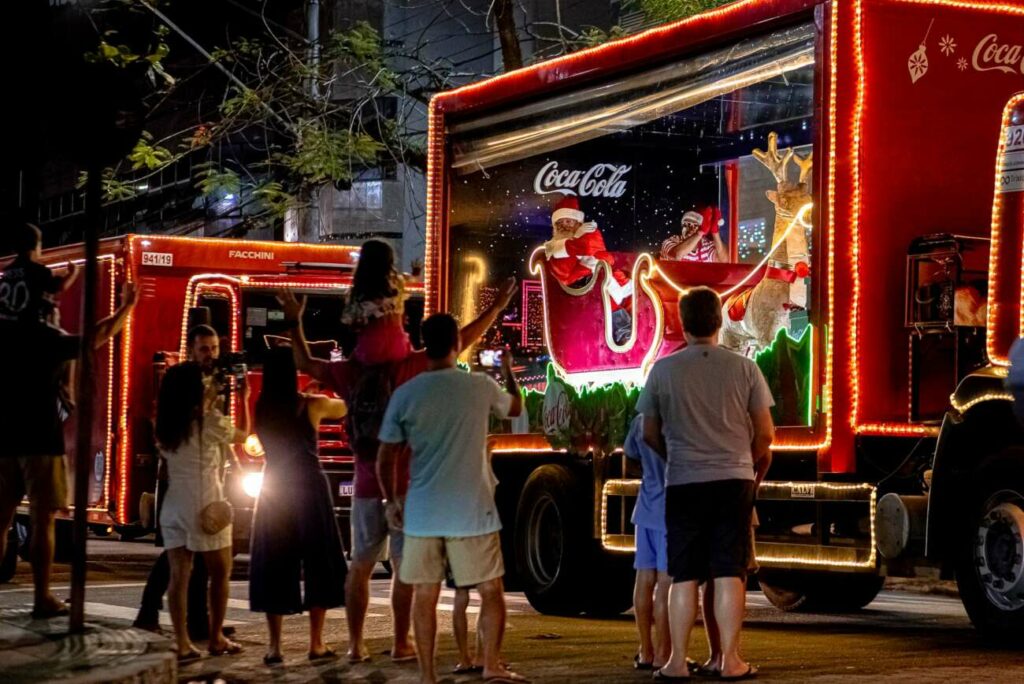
[189,656]
[467,669]
[229,648]
[326,655]
[751,673]
[659,676]
[640,665]
[270,660]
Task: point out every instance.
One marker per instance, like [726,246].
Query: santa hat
[693,217]
[567,208]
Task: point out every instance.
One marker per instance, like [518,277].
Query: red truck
[865,157]
[233,283]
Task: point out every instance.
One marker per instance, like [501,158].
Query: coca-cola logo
[600,180]
[556,412]
[991,55]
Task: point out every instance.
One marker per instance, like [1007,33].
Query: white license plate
[346,489]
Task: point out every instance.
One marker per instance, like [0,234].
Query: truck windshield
[262,319]
[701,169]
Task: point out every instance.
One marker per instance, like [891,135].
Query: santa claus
[572,254]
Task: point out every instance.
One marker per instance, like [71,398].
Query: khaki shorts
[473,560]
[43,478]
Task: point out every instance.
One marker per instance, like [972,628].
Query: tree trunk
[505,24]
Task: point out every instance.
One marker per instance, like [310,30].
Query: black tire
[808,592]
[988,557]
[9,563]
[552,541]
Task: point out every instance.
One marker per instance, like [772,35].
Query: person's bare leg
[401,614]
[218,565]
[460,628]
[643,608]
[729,606]
[711,629]
[180,560]
[40,551]
[662,640]
[682,613]
[274,632]
[357,599]
[317,616]
[492,627]
[424,615]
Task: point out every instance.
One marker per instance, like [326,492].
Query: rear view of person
[708,412]
[295,537]
[191,435]
[376,307]
[449,517]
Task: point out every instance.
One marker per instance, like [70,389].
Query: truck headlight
[252,483]
[253,447]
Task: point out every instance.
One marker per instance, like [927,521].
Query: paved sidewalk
[108,651]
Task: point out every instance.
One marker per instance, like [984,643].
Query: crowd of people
[424,486]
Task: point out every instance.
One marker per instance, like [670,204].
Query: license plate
[346,489]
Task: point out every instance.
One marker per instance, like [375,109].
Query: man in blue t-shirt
[448,516]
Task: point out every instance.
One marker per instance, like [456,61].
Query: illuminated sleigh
[578,323]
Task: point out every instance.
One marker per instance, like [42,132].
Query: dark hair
[26,237]
[700,309]
[279,397]
[440,335]
[201,330]
[375,273]
[179,405]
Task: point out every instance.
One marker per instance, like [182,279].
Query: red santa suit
[571,260]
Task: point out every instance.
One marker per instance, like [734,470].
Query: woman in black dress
[295,536]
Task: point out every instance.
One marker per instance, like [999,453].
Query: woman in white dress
[192,435]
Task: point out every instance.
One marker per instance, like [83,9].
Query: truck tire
[552,541]
[808,592]
[990,556]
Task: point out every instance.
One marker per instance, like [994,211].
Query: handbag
[216,515]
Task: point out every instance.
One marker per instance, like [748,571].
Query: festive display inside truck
[827,167]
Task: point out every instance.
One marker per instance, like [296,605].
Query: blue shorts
[651,549]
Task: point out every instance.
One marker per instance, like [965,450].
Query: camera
[491,358]
[230,365]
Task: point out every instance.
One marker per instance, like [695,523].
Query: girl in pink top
[376,307]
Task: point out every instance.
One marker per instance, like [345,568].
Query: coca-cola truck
[232,285]
[865,159]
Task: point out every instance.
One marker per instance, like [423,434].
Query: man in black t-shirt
[32,360]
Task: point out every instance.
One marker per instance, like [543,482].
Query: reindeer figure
[766,303]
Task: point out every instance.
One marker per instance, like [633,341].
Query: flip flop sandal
[751,673]
[357,659]
[510,678]
[659,676]
[705,671]
[640,665]
[468,669]
[326,655]
[270,660]
[404,659]
[51,612]
[229,648]
[189,656]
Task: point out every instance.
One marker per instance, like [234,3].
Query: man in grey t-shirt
[707,411]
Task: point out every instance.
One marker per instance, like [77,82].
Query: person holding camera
[202,344]
[191,435]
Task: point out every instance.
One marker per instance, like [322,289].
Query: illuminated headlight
[252,483]
[253,447]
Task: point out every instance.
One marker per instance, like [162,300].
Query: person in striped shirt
[698,240]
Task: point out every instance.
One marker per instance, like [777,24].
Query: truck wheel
[9,563]
[990,560]
[552,541]
[797,591]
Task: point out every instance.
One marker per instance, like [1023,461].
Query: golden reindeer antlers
[805,164]
[774,162]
